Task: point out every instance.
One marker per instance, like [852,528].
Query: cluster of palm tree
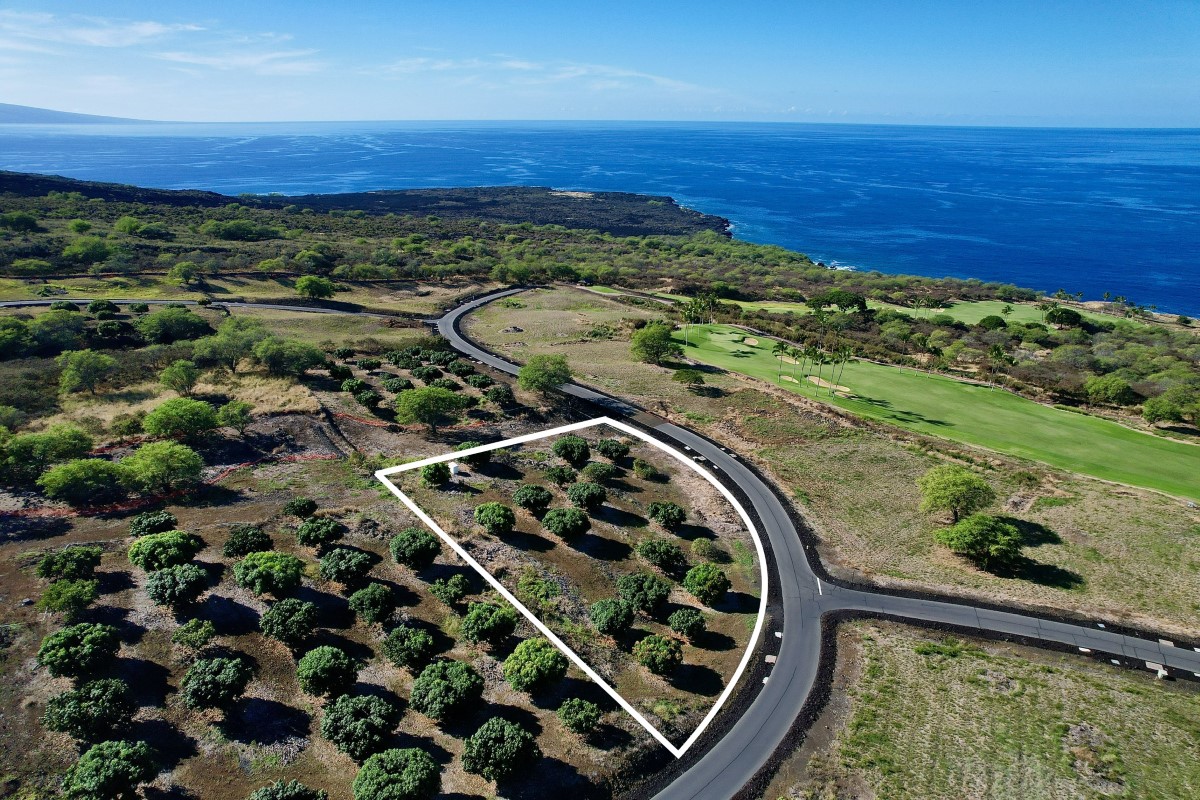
[696,311]
[813,355]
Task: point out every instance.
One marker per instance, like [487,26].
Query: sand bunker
[824,384]
[750,340]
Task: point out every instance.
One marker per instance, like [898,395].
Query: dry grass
[946,719]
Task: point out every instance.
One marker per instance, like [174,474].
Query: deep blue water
[1085,210]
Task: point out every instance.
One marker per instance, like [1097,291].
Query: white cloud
[508,71]
[274,62]
[86,30]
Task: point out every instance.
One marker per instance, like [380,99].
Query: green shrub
[161,467]
[415,548]
[535,590]
[345,565]
[290,621]
[587,495]
[72,563]
[408,647]
[110,770]
[78,650]
[354,385]
[326,671]
[181,418]
[579,716]
[358,726]
[646,593]
[646,471]
[461,368]
[479,381]
[445,687]
[373,603]
[215,682]
[660,654]
[688,622]
[668,515]
[292,790]
[667,556]
[534,663]
[269,572]
[194,634]
[566,523]
[246,539]
[167,549]
[497,518]
[69,597]
[599,472]
[303,507]
[396,385]
[560,475]
[318,531]
[173,586]
[436,474]
[499,749]
[478,459]
[445,383]
[611,617]
[426,374]
[533,498]
[501,394]
[152,522]
[452,590]
[486,622]
[84,482]
[983,539]
[408,774]
[572,449]
[707,583]
[97,710]
[706,550]
[612,449]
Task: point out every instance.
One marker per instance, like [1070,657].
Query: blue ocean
[1089,211]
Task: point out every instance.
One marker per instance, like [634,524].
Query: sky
[1133,63]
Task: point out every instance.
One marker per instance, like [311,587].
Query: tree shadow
[34,528]
[172,792]
[498,470]
[619,517]
[171,745]
[714,640]
[1033,534]
[609,737]
[693,532]
[602,547]
[230,617]
[112,582]
[356,650]
[1043,574]
[698,679]
[130,632]
[402,740]
[532,782]
[264,722]
[529,542]
[737,603]
[147,680]
[333,610]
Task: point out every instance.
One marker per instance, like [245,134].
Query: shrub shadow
[230,617]
[698,679]
[264,722]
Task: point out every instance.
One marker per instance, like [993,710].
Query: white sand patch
[750,340]
[582,195]
[824,384]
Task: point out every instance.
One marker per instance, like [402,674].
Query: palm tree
[795,353]
[819,360]
[844,354]
[779,351]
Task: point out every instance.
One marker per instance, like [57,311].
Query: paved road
[127,301]
[733,761]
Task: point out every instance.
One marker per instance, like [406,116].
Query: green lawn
[972,414]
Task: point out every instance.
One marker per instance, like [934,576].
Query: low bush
[290,621]
[415,548]
[408,647]
[326,671]
[445,687]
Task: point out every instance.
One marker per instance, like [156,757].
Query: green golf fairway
[978,415]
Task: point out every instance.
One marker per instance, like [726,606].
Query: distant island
[11,114]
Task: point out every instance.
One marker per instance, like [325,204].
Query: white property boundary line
[678,752]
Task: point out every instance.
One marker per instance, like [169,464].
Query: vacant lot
[934,718]
[971,414]
[1115,553]
[559,578]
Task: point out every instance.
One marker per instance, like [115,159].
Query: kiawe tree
[983,539]
[430,405]
[314,287]
[84,369]
[110,771]
[544,374]
[653,343]
[404,774]
[534,663]
[499,749]
[954,489]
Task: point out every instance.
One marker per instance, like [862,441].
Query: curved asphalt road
[733,761]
